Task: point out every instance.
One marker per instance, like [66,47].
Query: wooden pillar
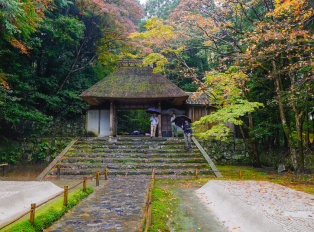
[111,118]
[159,118]
[193,114]
[189,113]
[99,123]
[115,120]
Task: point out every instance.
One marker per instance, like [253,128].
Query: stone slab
[16,197]
[259,206]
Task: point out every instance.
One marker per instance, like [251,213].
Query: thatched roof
[197,98]
[133,83]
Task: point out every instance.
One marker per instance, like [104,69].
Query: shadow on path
[193,214]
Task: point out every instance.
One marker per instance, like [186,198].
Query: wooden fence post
[3,170]
[240,174]
[106,174]
[84,184]
[65,199]
[97,179]
[58,173]
[32,215]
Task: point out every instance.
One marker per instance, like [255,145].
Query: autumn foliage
[270,41]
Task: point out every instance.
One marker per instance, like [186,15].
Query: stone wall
[58,127]
[32,150]
[36,143]
[231,151]
[42,149]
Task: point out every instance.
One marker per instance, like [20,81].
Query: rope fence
[65,199]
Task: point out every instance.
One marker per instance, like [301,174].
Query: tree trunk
[286,128]
[299,125]
[307,130]
[246,143]
[277,137]
[256,161]
[271,138]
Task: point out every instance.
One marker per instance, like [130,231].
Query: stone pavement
[117,206]
[259,206]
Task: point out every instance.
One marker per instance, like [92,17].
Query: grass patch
[163,207]
[46,215]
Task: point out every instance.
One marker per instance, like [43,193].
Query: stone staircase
[131,156]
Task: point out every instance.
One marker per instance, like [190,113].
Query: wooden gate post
[65,198]
[32,214]
[58,173]
[97,179]
[84,184]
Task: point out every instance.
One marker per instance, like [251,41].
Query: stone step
[132,160]
[142,138]
[174,176]
[148,171]
[132,155]
[139,146]
[133,166]
[148,151]
[144,142]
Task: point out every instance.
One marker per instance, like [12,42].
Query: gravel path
[119,206]
[253,206]
[16,197]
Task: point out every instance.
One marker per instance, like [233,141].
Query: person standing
[187,134]
[173,126]
[153,125]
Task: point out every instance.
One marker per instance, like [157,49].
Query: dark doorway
[133,120]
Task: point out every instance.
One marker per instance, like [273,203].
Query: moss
[130,82]
[91,134]
[46,218]
[163,205]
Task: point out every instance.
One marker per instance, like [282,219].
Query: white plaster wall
[93,120]
[104,123]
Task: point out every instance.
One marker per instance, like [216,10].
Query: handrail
[65,192]
[5,164]
[55,161]
[208,159]
[148,209]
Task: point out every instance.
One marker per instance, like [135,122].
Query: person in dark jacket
[187,134]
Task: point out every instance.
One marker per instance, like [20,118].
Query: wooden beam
[208,159]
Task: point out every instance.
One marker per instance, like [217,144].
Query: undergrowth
[50,215]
